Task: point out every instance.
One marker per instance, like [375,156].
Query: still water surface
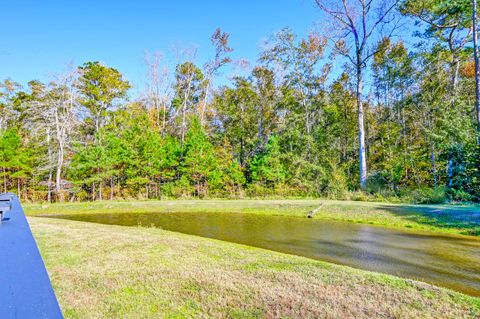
[445,260]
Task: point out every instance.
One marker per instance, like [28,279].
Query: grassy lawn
[102,271]
[441,218]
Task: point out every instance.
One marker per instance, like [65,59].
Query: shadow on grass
[466,219]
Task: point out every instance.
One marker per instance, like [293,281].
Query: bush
[337,187]
[429,195]
[359,196]
[460,195]
[178,189]
[81,196]
[377,182]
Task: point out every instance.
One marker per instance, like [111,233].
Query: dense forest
[350,111]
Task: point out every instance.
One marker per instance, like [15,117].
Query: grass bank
[101,271]
[459,219]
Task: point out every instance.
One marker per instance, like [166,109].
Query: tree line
[350,111]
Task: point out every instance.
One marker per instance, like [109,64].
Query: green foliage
[15,160]
[100,87]
[188,86]
[239,117]
[200,164]
[428,195]
[266,168]
[232,175]
[287,128]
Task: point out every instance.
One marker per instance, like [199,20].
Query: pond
[450,261]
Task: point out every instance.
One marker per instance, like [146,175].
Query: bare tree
[53,113]
[159,92]
[8,89]
[360,24]
[187,87]
[65,119]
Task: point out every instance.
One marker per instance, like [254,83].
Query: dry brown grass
[101,271]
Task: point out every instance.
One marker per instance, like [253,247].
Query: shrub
[359,196]
[337,184]
[429,195]
[460,195]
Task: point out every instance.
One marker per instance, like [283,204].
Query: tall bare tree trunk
[49,193]
[50,169]
[477,68]
[58,176]
[361,129]
[184,126]
[60,156]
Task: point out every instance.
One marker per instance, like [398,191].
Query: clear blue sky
[41,37]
